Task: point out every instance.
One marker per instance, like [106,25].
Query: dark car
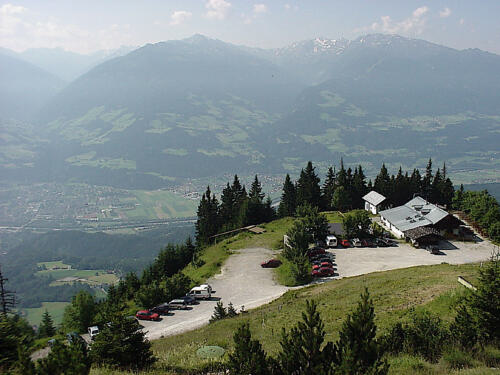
[367,243]
[74,338]
[345,243]
[147,315]
[164,308]
[190,300]
[432,249]
[271,263]
[382,243]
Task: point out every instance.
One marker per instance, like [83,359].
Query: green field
[92,276]
[55,309]
[159,204]
[51,265]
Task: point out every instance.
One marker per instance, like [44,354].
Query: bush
[457,359]
[301,270]
[425,335]
[490,356]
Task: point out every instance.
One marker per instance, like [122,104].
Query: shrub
[457,359]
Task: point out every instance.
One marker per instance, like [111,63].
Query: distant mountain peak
[197,38]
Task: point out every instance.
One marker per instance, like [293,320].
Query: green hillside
[394,294]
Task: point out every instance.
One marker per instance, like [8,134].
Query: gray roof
[431,212]
[374,198]
[416,213]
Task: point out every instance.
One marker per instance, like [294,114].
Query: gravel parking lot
[242,282]
[359,261]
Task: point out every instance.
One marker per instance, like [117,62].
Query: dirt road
[242,282]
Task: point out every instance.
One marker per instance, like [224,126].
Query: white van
[200,292]
[331,241]
[93,331]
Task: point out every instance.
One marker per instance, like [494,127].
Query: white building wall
[371,208]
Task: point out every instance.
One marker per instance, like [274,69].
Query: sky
[85,26]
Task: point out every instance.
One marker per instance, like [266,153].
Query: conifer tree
[415,183]
[288,202]
[342,175]
[269,211]
[226,210]
[122,344]
[308,189]
[341,199]
[301,347]
[358,187]
[248,357]
[65,360]
[7,297]
[427,181]
[357,351]
[46,328]
[328,189]
[256,207]
[219,312]
[231,311]
[80,313]
[24,365]
[207,223]
[382,184]
[485,302]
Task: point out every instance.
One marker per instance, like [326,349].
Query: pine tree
[464,328]
[46,328]
[341,199]
[342,175]
[358,187]
[269,211]
[328,189]
[80,313]
[226,208]
[65,360]
[308,189]
[301,347]
[219,312]
[24,365]
[288,202]
[415,183]
[7,297]
[357,351]
[256,207]
[427,181]
[382,184]
[231,311]
[207,223]
[248,357]
[485,302]
[122,344]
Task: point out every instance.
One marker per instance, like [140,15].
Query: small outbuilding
[373,200]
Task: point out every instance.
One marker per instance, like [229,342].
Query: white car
[93,331]
[331,241]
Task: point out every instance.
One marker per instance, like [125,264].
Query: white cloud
[445,13]
[291,7]
[462,21]
[217,9]
[260,8]
[179,16]
[413,24]
[11,9]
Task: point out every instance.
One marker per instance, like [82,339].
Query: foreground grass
[215,255]
[394,294]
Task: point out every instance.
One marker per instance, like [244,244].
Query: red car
[323,272]
[316,251]
[345,243]
[271,263]
[147,315]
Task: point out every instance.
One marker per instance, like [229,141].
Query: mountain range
[201,107]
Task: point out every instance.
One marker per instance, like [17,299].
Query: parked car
[93,332]
[326,264]
[356,242]
[321,261]
[345,243]
[147,315]
[164,308]
[366,243]
[271,263]
[316,251]
[200,292]
[74,338]
[323,272]
[382,243]
[178,304]
[432,249]
[190,300]
[331,241]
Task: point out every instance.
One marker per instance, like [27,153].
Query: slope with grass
[395,293]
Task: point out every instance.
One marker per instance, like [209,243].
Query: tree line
[236,209]
[482,208]
[344,189]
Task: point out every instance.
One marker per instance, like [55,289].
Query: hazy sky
[88,25]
